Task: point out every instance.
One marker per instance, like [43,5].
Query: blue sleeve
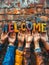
[1,45]
[9,56]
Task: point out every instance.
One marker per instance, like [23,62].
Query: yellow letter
[15,27]
[23,26]
[43,27]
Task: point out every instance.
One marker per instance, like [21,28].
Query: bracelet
[47,41]
[20,48]
[37,50]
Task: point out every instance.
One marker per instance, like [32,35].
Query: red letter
[11,28]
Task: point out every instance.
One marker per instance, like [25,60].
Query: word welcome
[14,27]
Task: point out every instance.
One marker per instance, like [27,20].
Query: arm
[20,40]
[2,40]
[9,56]
[19,50]
[37,50]
[27,53]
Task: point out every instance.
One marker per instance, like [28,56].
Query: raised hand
[36,37]
[37,50]
[21,36]
[44,37]
[12,38]
[36,40]
[3,37]
[28,38]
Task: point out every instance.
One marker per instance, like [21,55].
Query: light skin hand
[44,38]
[28,38]
[3,37]
[20,38]
[12,38]
[36,40]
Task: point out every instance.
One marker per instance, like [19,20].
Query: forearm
[39,58]
[38,54]
[19,54]
[26,54]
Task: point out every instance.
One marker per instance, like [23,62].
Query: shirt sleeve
[9,56]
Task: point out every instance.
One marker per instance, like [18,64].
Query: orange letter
[36,27]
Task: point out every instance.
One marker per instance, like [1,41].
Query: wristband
[47,41]
[37,50]
[20,48]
